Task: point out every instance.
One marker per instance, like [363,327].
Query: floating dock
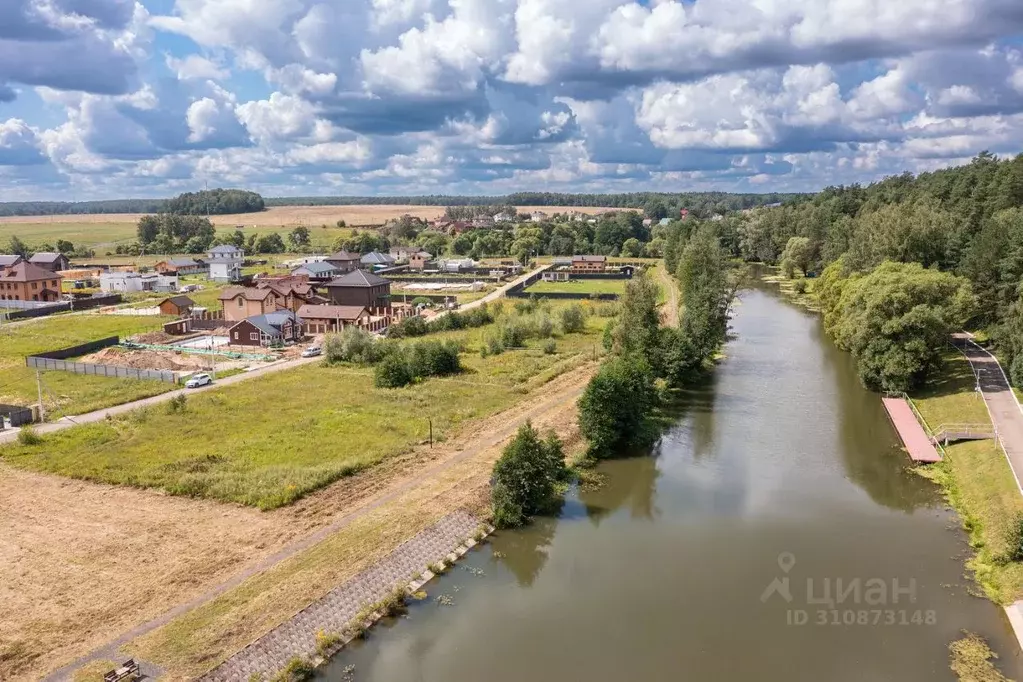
[913,436]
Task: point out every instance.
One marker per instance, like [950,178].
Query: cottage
[225,263]
[293,293]
[360,288]
[344,261]
[178,306]
[181,266]
[321,319]
[589,263]
[375,260]
[555,276]
[7,261]
[244,302]
[271,329]
[51,261]
[505,217]
[317,271]
[134,282]
[24,281]
[538,216]
[402,254]
[419,259]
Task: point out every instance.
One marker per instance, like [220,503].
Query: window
[236,336]
[35,285]
[253,336]
[240,303]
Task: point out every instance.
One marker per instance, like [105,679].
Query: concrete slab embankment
[330,614]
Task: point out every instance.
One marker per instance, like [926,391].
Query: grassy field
[66,393]
[265,443]
[976,479]
[579,286]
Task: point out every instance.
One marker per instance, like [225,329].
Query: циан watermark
[845,601]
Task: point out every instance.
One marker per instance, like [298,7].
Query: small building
[323,319]
[375,260]
[456,265]
[360,288]
[240,303]
[538,216]
[24,281]
[419,259]
[134,282]
[9,260]
[225,263]
[317,271]
[271,329]
[51,261]
[505,217]
[178,306]
[589,263]
[402,254]
[181,266]
[556,276]
[344,261]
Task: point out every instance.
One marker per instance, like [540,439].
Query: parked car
[312,352]
[199,380]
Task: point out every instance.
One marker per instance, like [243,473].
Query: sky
[122,98]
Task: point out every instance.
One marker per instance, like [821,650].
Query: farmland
[236,445]
[66,393]
[583,287]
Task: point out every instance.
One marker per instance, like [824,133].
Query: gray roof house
[51,261]
[267,330]
[377,259]
[7,260]
[318,270]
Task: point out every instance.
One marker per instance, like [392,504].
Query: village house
[271,329]
[244,302]
[178,306]
[134,282]
[344,261]
[8,260]
[374,260]
[589,263]
[505,217]
[24,281]
[401,254]
[292,292]
[419,259]
[538,216]
[360,288]
[181,266]
[318,271]
[51,261]
[225,263]
[322,319]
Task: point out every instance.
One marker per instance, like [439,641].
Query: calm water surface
[659,574]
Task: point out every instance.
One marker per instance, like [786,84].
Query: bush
[297,670]
[615,409]
[494,345]
[410,326]
[573,319]
[433,358]
[551,347]
[526,477]
[177,404]
[544,327]
[28,436]
[1014,542]
[513,335]
[393,372]
[354,344]
[799,286]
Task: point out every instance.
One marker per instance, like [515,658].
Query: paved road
[1006,414]
[67,422]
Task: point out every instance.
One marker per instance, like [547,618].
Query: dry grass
[971,660]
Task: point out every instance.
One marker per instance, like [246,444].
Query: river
[780,471]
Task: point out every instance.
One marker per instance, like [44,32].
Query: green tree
[656,209]
[635,330]
[706,292]
[615,411]
[798,254]
[526,477]
[270,243]
[17,247]
[632,248]
[299,237]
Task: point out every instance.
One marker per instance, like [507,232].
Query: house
[375,260]
[647,222]
[360,288]
[538,216]
[456,265]
[401,254]
[225,263]
[240,303]
[556,276]
[292,292]
[344,261]
[270,329]
[318,271]
[483,222]
[181,266]
[134,282]
[25,281]
[321,319]
[589,263]
[459,227]
[505,217]
[7,261]
[419,259]
[51,261]
[178,306]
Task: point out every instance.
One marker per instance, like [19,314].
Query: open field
[579,286]
[976,479]
[238,445]
[64,392]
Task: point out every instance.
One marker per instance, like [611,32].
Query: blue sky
[117,98]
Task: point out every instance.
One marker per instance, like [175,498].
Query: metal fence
[101,370]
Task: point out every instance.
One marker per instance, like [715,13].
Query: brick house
[344,261]
[589,263]
[360,288]
[321,319]
[24,281]
[266,330]
[292,292]
[178,306]
[241,303]
[419,259]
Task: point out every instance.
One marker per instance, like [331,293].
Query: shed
[178,306]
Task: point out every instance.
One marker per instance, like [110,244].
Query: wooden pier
[913,436]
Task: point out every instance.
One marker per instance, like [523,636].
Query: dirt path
[669,311]
[338,506]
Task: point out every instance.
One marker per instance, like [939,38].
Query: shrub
[393,372]
[544,327]
[494,345]
[353,344]
[1014,542]
[28,436]
[573,319]
[433,358]
[297,670]
[513,335]
[177,404]
[326,641]
[421,300]
[799,286]
[410,326]
[615,409]
[551,347]
[526,477]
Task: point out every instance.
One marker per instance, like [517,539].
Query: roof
[46,257]
[183,262]
[377,258]
[318,268]
[179,301]
[225,248]
[23,271]
[331,312]
[590,259]
[344,255]
[423,254]
[358,278]
[271,323]
[8,260]
[248,293]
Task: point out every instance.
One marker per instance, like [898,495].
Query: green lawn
[68,393]
[268,441]
[579,286]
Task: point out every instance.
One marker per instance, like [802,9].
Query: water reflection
[524,553]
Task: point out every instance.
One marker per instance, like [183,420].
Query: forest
[214,201]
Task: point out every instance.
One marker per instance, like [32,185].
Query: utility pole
[39,390]
[431,432]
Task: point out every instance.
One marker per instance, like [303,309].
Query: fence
[18,415]
[10,313]
[101,370]
[562,295]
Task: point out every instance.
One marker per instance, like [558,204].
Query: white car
[199,380]
[312,352]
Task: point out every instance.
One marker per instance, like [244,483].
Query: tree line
[215,201]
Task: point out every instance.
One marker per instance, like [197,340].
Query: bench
[129,670]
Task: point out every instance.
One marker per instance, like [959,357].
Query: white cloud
[196,66]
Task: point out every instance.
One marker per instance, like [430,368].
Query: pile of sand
[149,359]
[155,338]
